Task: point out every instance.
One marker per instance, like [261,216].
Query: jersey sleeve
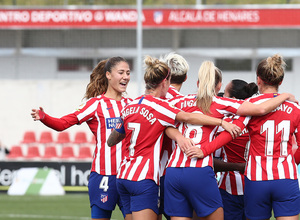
[120,127]
[86,111]
[297,153]
[224,137]
[297,156]
[228,106]
[168,112]
[60,124]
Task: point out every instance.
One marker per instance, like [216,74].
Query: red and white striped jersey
[172,93]
[271,136]
[145,120]
[201,135]
[234,152]
[102,114]
[168,144]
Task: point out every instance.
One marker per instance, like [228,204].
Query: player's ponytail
[155,72]
[208,77]
[240,89]
[271,70]
[98,82]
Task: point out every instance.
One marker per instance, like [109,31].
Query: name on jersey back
[284,108]
[137,110]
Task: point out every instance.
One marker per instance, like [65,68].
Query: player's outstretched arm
[58,124]
[37,114]
[201,119]
[248,108]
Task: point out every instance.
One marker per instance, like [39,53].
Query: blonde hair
[178,67]
[208,77]
[271,70]
[155,72]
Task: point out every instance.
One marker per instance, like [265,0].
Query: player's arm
[115,137]
[222,139]
[248,108]
[297,156]
[220,166]
[201,119]
[297,137]
[183,142]
[58,124]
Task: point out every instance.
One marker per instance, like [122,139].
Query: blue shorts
[233,206]
[162,197]
[103,195]
[188,189]
[283,196]
[138,195]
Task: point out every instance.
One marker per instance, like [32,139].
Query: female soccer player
[271,173]
[101,112]
[190,183]
[178,69]
[145,120]
[231,183]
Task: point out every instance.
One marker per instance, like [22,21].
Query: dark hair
[178,79]
[241,89]
[98,82]
[220,94]
[271,70]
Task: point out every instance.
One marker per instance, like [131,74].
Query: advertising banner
[69,174]
[35,181]
[152,18]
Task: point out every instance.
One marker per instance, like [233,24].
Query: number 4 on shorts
[104,183]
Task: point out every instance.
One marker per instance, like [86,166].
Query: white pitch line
[20,216]
[41,216]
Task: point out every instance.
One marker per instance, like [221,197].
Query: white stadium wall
[60,96]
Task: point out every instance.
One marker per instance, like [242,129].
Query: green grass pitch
[67,207]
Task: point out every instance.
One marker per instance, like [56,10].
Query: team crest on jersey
[104,198]
[113,122]
[80,107]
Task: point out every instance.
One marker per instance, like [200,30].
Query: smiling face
[119,77]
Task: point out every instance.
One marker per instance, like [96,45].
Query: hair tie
[167,74]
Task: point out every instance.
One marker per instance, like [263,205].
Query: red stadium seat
[15,152]
[80,138]
[85,153]
[93,140]
[29,137]
[46,137]
[50,152]
[33,152]
[67,152]
[63,138]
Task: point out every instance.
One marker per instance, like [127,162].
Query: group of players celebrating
[157,155]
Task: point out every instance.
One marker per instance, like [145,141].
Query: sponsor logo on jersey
[113,122]
[104,198]
[80,107]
